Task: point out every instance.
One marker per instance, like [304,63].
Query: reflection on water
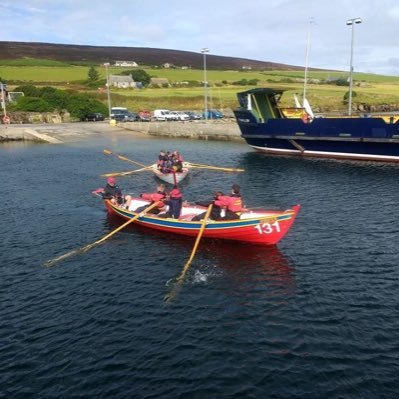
[246,269]
[251,268]
[245,315]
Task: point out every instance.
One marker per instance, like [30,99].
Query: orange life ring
[6,119]
[305,117]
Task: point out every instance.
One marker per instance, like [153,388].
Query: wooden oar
[123,158]
[180,279]
[52,262]
[202,166]
[130,172]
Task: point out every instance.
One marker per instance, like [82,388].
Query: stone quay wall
[60,132]
[200,130]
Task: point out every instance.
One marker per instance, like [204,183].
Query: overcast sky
[265,30]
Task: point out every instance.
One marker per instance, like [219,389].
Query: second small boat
[170,177]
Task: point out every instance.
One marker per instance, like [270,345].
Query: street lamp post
[305,80]
[351,22]
[204,51]
[108,92]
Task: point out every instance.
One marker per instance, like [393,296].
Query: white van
[164,115]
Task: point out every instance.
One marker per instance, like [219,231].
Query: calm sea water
[315,317]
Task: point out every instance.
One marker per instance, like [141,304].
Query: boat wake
[200,277]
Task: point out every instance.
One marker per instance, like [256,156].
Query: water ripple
[315,317]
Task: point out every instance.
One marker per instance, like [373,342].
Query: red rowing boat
[262,227]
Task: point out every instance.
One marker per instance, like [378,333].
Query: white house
[126,64]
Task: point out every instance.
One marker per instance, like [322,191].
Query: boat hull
[260,227]
[171,178]
[383,152]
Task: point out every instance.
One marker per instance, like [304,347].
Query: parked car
[213,114]
[180,115]
[164,115]
[193,115]
[119,117]
[131,116]
[94,117]
[144,116]
[122,114]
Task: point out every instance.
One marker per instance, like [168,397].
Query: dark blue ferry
[269,128]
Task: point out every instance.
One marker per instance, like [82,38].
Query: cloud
[273,30]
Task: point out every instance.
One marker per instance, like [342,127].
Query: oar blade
[60,258]
[122,158]
[179,281]
[223,169]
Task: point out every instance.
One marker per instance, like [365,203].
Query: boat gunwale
[211,224]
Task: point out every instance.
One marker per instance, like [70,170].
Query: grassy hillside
[86,55]
[375,89]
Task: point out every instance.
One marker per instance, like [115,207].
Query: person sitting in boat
[177,155]
[113,193]
[175,202]
[232,204]
[162,158]
[159,197]
[177,163]
[167,163]
[216,209]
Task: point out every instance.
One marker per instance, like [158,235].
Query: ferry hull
[383,152]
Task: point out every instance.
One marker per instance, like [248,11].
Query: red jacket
[231,203]
[154,197]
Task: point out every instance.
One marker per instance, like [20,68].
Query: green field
[374,89]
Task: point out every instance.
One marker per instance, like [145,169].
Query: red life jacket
[231,203]
[235,204]
[175,193]
[155,197]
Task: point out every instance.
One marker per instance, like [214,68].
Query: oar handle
[130,172]
[125,224]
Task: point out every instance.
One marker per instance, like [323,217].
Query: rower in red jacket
[158,197]
[232,203]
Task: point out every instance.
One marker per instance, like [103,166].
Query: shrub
[346,96]
[32,104]
[246,82]
[342,82]
[79,105]
[138,75]
[48,99]
[29,90]
[58,99]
